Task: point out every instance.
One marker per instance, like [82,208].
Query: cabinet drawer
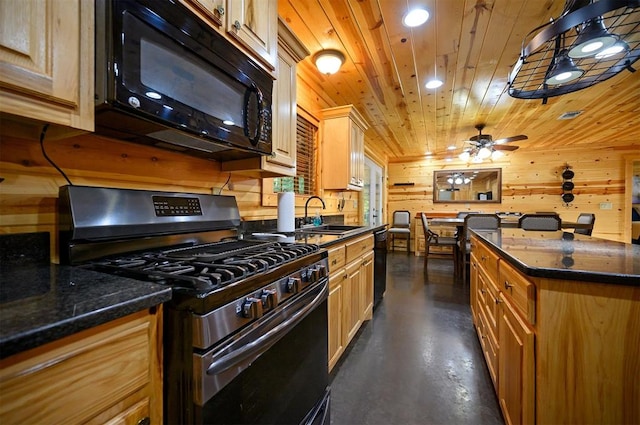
[358,247]
[486,258]
[74,379]
[518,290]
[336,258]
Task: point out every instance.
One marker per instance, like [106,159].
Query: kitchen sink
[329,229]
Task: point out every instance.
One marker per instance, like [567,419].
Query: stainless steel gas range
[245,335]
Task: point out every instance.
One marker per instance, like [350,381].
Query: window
[304,183]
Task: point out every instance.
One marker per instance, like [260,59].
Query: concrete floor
[419,360]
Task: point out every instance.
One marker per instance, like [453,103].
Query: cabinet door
[351,301]
[366,287]
[213,10]
[46,61]
[473,285]
[254,24]
[284,114]
[335,317]
[516,363]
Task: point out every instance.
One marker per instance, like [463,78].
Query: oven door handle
[265,341]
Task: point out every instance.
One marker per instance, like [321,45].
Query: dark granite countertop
[42,302]
[564,255]
[327,241]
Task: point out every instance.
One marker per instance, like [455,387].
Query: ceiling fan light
[496,154]
[450,180]
[433,84]
[467,180]
[328,61]
[592,39]
[484,152]
[458,180]
[415,17]
[465,156]
[563,71]
[619,46]
[477,160]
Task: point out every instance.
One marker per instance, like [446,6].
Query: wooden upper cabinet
[252,25]
[343,148]
[46,61]
[283,133]
[213,11]
[255,25]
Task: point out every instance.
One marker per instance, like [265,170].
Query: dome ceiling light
[329,61]
[591,41]
[415,17]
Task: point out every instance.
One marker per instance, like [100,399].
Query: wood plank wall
[29,189]
[531,181]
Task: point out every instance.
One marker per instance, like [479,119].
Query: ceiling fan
[483,146]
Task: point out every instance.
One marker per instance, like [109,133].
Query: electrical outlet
[606,205]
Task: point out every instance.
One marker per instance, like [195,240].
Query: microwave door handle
[265,341]
[253,93]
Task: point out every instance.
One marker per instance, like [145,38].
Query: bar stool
[401,226]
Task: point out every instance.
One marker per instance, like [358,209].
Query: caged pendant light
[591,41]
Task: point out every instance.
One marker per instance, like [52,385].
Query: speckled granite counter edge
[553,273]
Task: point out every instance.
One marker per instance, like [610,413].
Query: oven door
[274,372]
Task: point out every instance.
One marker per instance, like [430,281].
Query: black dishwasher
[379,266]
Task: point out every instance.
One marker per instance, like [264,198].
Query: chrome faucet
[306,204]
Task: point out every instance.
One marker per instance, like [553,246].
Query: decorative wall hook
[567,185]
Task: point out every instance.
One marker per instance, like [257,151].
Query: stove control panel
[227,319]
[166,206]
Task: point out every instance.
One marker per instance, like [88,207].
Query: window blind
[304,183]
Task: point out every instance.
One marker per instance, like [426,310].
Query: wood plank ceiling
[469,44]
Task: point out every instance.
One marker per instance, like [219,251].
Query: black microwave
[165,78]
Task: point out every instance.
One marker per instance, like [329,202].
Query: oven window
[282,385]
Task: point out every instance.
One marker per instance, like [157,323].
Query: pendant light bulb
[563,70]
[592,39]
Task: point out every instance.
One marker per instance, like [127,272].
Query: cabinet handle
[345,277]
[334,262]
[237,25]
[483,258]
[498,301]
[144,421]
[483,291]
[507,285]
[220,10]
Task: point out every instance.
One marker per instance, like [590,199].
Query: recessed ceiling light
[415,17]
[433,84]
[452,147]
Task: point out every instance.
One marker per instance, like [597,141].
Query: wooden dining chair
[540,222]
[476,222]
[401,226]
[585,218]
[432,239]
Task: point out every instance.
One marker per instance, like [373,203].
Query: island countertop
[565,255]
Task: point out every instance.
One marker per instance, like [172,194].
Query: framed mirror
[482,185]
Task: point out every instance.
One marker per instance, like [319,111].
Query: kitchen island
[558,318]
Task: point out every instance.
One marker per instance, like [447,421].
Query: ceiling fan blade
[505,147]
[510,139]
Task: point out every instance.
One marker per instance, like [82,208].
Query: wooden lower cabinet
[350,292]
[562,351]
[108,374]
[516,360]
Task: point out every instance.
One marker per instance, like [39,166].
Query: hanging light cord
[42,134]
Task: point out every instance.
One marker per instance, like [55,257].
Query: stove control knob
[313,274]
[322,271]
[293,285]
[252,308]
[269,299]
